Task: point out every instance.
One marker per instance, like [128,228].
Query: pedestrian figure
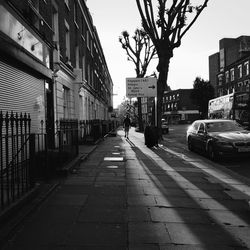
[126,125]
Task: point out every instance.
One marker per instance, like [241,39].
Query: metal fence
[14,156]
[67,139]
[25,157]
[92,130]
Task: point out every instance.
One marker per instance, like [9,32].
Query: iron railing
[92,130]
[14,156]
[25,157]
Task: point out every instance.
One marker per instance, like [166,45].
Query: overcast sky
[222,18]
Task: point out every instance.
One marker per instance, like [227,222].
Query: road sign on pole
[141,87]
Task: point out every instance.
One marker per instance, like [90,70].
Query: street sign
[141,87]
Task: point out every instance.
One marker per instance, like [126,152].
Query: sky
[221,19]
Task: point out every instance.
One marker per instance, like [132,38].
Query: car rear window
[222,126]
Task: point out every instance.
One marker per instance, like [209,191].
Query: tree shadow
[187,190]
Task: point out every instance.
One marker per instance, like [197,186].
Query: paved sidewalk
[127,196]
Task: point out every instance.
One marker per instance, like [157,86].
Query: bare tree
[166,26]
[140,53]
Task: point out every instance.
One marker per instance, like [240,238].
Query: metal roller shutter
[21,92]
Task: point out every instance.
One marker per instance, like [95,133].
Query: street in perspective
[125,195]
[124,125]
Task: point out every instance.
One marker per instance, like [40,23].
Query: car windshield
[223,126]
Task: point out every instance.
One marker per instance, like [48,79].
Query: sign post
[141,87]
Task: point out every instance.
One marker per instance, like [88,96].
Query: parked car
[164,127]
[218,138]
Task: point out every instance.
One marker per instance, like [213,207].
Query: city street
[176,140]
[128,196]
[76,77]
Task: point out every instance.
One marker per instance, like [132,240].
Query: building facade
[234,78]
[228,68]
[178,107]
[25,61]
[52,65]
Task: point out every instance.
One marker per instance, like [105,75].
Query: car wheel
[211,152]
[190,146]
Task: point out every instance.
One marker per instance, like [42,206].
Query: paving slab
[179,215]
[138,214]
[142,200]
[190,233]
[229,205]
[67,199]
[98,235]
[102,215]
[227,218]
[148,232]
[195,247]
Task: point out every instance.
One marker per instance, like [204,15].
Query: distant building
[234,78]
[223,65]
[178,107]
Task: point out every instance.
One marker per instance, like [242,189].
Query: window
[83,68]
[227,76]
[77,56]
[240,71]
[196,125]
[246,66]
[220,79]
[35,6]
[55,22]
[240,86]
[88,73]
[232,74]
[247,85]
[91,47]
[65,94]
[88,40]
[81,107]
[67,37]
[75,13]
[83,28]
[202,128]
[66,3]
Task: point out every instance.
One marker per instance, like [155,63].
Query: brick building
[229,68]
[178,107]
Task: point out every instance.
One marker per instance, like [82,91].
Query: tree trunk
[163,67]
